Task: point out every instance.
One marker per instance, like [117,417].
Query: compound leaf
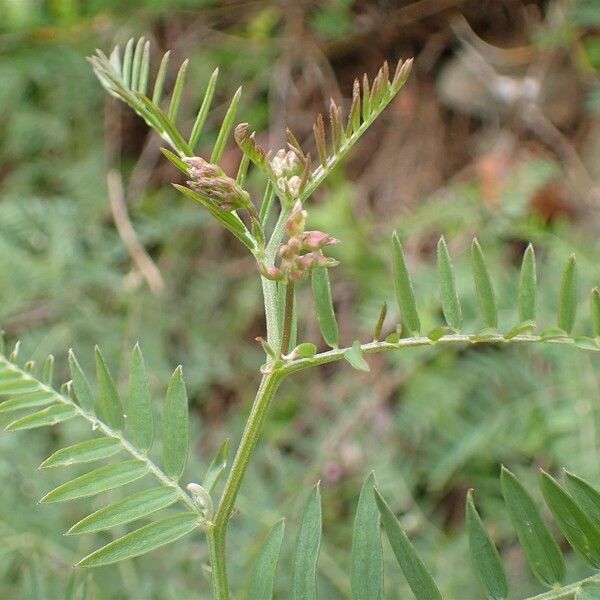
[143,540]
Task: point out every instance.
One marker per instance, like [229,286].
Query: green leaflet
[418,577]
[483,287]
[159,84]
[48,370]
[484,555]
[404,289]
[18,385]
[129,509]
[175,160]
[589,590]
[109,403]
[83,390]
[321,289]
[142,540]
[44,418]
[522,328]
[30,400]
[204,108]
[98,480]
[527,286]
[127,63]
[137,63]
[366,576]
[354,356]
[585,495]
[175,426]
[306,552]
[140,422]
[541,550]
[265,567]
[82,453]
[142,86]
[177,91]
[449,296]
[579,529]
[229,219]
[595,311]
[226,127]
[216,467]
[567,301]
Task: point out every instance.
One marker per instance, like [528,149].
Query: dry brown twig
[140,257]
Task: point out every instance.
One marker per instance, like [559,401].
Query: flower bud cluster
[286,167]
[302,252]
[210,181]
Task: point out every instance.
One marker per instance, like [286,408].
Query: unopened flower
[315,240]
[285,164]
[296,221]
[270,272]
[210,180]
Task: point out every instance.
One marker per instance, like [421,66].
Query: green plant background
[431,423]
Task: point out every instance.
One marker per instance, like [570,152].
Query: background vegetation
[464,149]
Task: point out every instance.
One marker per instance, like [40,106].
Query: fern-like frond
[449,332]
[128,79]
[117,432]
[575,507]
[366,106]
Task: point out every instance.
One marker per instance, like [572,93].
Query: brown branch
[140,257]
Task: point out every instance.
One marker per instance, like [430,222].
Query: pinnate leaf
[83,390]
[98,480]
[44,418]
[216,467]
[143,540]
[404,288]
[140,422]
[567,301]
[528,286]
[586,496]
[449,296]
[109,403]
[306,553]
[367,554]
[321,289]
[30,400]
[484,555]
[577,527]
[418,577]
[175,426]
[263,574]
[129,509]
[354,356]
[83,452]
[483,287]
[541,550]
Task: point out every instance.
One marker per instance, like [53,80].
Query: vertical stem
[288,317]
[218,531]
[270,287]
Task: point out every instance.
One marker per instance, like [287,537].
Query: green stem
[270,287]
[568,591]
[288,318]
[377,347]
[218,532]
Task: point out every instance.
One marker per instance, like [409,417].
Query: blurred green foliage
[431,423]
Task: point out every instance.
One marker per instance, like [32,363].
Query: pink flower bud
[296,220]
[315,240]
[270,272]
